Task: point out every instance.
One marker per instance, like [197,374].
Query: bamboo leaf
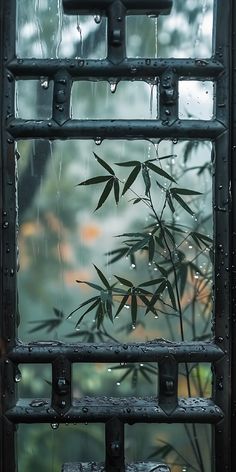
[128,164]
[90,284]
[171,294]
[102,277]
[87,311]
[132,177]
[151,282]
[116,191]
[182,273]
[122,304]
[183,204]
[134,308]
[95,180]
[184,191]
[138,245]
[105,194]
[116,255]
[151,248]
[146,179]
[104,164]
[159,171]
[124,281]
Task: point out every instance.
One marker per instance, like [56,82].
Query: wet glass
[61,236]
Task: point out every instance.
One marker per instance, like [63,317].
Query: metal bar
[8,299]
[61,97]
[128,410]
[115,129]
[222,226]
[116,32]
[140,69]
[232,327]
[169,104]
[99,467]
[85,7]
[115,454]
[150,351]
[168,384]
[61,385]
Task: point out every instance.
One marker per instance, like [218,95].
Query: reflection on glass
[106,100]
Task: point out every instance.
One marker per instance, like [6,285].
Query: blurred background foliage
[61,237]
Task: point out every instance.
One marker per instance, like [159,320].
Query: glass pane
[186,32]
[40,446]
[61,236]
[103,100]
[196,100]
[45,447]
[38,96]
[115,380]
[43,31]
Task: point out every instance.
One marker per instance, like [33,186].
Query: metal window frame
[221,351]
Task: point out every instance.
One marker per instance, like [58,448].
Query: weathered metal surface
[150,351]
[129,410]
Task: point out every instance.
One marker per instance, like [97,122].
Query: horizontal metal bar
[150,351]
[127,409]
[100,467]
[115,129]
[139,69]
[85,7]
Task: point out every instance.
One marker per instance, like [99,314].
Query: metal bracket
[168,384]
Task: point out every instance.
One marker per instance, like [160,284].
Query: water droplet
[109,370]
[44,82]
[77,328]
[98,141]
[113,86]
[156,317]
[54,425]
[18,376]
[132,266]
[175,141]
[97,19]
[118,384]
[127,307]
[5,224]
[38,403]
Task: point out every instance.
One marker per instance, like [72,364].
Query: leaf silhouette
[105,194]
[104,164]
[132,177]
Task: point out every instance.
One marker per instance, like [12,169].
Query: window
[63,96]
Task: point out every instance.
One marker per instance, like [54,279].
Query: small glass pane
[35,381]
[122,100]
[199,382]
[43,31]
[113,380]
[34,99]
[196,100]
[45,447]
[185,32]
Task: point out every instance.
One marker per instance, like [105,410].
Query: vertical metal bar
[61,385]
[115,456]
[222,156]
[116,32]
[232,326]
[8,298]
[61,97]
[168,384]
